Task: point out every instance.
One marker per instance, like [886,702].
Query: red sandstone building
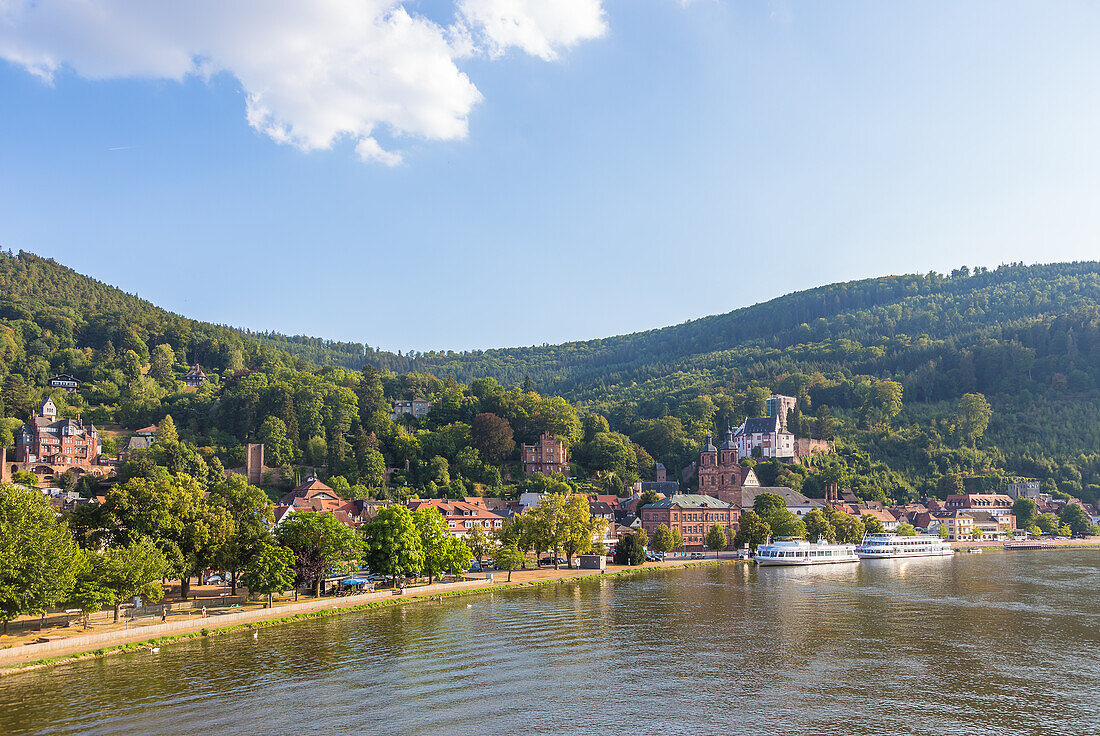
[720,474]
[51,441]
[692,514]
[544,457]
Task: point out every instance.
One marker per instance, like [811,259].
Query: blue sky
[627,165]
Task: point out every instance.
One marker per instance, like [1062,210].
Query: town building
[312,495]
[417,407]
[993,526]
[61,443]
[195,377]
[960,524]
[693,514]
[778,405]
[64,382]
[1028,489]
[601,510]
[890,522]
[461,516]
[763,437]
[142,439]
[797,503]
[719,470]
[661,474]
[996,503]
[545,456]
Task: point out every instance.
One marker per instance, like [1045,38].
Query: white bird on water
[469,605]
[154,650]
[255,635]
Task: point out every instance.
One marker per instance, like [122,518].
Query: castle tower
[254,463]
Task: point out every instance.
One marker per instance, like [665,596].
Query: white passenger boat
[890,546]
[801,552]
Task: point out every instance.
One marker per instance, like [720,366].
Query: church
[720,472]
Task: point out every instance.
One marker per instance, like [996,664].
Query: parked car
[696,556]
[218,579]
[475,566]
[552,561]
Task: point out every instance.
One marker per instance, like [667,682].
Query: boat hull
[897,555]
[797,562]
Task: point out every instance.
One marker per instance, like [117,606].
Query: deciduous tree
[872,524]
[818,527]
[508,557]
[319,542]
[492,436]
[270,570]
[133,570]
[1026,511]
[662,540]
[972,417]
[392,543]
[716,538]
[38,556]
[752,530]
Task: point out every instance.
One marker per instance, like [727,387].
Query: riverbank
[1046,544]
[20,658]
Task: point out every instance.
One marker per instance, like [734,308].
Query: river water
[998,643]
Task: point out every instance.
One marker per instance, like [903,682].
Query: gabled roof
[689,501]
[790,497]
[881,514]
[138,442]
[459,509]
[311,489]
[759,425]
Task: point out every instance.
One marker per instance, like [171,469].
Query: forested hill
[893,323]
[882,365]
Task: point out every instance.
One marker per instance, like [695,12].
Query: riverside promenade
[16,655]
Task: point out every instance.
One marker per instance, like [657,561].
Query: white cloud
[313,72]
[538,27]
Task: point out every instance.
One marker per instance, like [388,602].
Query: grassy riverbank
[277,615]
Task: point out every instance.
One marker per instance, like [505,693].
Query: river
[998,643]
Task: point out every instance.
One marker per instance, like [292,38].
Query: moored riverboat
[801,552]
[890,546]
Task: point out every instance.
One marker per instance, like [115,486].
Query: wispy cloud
[314,72]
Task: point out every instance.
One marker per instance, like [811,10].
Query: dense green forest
[883,366]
